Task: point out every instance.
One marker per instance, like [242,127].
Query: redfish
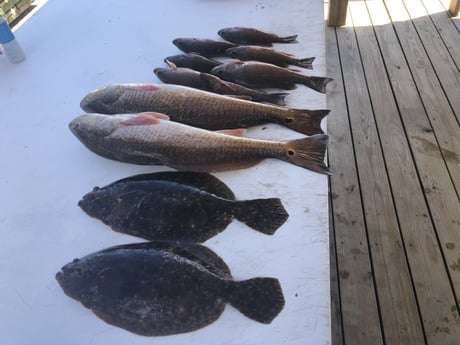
[151,139]
[198,108]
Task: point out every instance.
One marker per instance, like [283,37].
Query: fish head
[232,52]
[226,70]
[76,279]
[97,203]
[163,73]
[88,127]
[101,100]
[181,43]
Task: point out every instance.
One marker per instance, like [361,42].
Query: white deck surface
[73,47]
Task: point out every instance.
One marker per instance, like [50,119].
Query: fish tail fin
[316,83]
[263,215]
[277,98]
[289,39]
[305,121]
[305,63]
[260,299]
[308,153]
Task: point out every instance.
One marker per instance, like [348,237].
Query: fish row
[171,284]
[261,67]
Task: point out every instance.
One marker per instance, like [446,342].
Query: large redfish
[198,108]
[150,139]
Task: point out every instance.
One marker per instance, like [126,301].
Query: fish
[203,46]
[244,35]
[208,82]
[194,61]
[151,139]
[164,288]
[255,74]
[198,108]
[180,76]
[268,55]
[178,206]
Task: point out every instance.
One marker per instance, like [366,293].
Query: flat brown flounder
[164,288]
[151,139]
[178,206]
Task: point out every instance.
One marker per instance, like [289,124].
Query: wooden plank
[361,324]
[442,118]
[455,19]
[446,28]
[337,12]
[408,193]
[440,194]
[447,72]
[398,307]
[454,7]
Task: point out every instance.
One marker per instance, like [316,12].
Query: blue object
[5,32]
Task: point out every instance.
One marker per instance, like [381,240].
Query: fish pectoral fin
[237,132]
[145,119]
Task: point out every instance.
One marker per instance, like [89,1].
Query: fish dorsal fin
[145,119]
[144,87]
[237,132]
[170,64]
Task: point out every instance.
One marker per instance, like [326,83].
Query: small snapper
[164,288]
[198,108]
[263,75]
[151,139]
[202,46]
[268,55]
[178,206]
[194,61]
[211,83]
[242,35]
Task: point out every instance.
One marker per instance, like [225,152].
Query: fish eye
[291,152]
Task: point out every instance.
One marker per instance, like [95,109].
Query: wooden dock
[395,149]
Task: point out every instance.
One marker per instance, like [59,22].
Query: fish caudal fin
[305,63]
[276,98]
[305,121]
[316,83]
[288,39]
[263,215]
[260,299]
[308,153]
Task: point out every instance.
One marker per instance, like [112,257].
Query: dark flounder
[161,288]
[182,206]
